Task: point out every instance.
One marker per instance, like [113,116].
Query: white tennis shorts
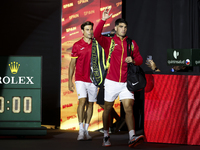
[114,89]
[86,89]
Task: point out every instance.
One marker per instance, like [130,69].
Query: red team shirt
[82,51]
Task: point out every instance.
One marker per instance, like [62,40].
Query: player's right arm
[72,65]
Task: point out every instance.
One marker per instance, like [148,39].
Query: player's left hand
[129,59]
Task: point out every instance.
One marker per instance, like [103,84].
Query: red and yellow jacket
[117,70]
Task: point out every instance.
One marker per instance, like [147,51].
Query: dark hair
[120,20]
[86,23]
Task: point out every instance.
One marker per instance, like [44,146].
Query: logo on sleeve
[82,48]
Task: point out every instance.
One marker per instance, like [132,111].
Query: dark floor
[66,140]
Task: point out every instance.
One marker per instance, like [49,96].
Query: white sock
[106,133]
[131,133]
[81,126]
[86,126]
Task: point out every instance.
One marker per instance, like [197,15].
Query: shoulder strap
[130,46]
[130,49]
[112,46]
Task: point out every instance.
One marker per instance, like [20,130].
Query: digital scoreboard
[20,96]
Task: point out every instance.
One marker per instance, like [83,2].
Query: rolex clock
[20,96]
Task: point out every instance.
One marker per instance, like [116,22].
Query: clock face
[20,91]
[20,104]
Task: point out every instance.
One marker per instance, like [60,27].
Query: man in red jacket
[115,82]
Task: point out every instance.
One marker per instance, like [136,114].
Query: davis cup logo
[187,61]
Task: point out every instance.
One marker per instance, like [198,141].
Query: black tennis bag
[136,80]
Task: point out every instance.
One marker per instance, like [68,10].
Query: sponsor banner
[183,57]
[177,62]
[20,72]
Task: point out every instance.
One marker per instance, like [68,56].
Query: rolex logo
[14,67]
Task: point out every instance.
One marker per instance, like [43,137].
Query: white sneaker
[87,136]
[81,135]
[106,141]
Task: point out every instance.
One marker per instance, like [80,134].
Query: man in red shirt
[115,82]
[86,90]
